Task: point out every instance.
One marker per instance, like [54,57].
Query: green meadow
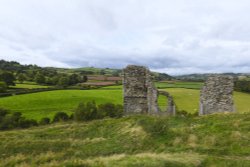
[28,86]
[46,104]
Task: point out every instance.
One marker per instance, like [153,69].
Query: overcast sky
[172,36]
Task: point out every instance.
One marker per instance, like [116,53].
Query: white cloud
[175,37]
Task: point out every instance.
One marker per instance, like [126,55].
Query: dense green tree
[3,87]
[74,79]
[39,78]
[102,72]
[21,77]
[63,81]
[8,78]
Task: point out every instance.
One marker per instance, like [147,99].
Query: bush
[26,123]
[60,116]
[44,121]
[86,112]
[155,126]
[15,120]
[111,110]
[3,113]
[89,111]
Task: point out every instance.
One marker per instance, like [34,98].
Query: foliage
[243,86]
[7,77]
[110,110]
[39,78]
[89,111]
[86,112]
[60,117]
[14,120]
[3,87]
[44,121]
[21,77]
[63,82]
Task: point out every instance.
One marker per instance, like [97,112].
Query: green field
[46,104]
[216,140]
[179,84]
[29,86]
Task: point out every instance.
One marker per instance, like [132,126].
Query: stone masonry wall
[140,95]
[217,95]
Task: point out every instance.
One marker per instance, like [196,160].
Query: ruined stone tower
[217,95]
[140,95]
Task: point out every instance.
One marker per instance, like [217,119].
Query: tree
[8,78]
[63,82]
[102,72]
[39,78]
[3,87]
[74,79]
[21,77]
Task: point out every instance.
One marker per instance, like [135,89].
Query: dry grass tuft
[192,140]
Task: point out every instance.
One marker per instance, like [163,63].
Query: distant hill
[14,66]
[202,77]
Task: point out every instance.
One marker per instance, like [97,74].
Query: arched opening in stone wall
[162,103]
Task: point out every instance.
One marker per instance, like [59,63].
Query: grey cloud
[175,37]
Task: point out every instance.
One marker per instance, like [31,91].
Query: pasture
[46,104]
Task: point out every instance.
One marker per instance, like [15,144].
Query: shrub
[44,121]
[15,120]
[111,110]
[26,123]
[89,111]
[3,113]
[155,126]
[60,116]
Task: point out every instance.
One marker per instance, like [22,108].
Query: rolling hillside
[214,140]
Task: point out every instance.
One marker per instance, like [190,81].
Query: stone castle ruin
[141,96]
[217,95]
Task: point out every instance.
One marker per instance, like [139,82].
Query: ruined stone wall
[171,108]
[140,95]
[217,95]
[152,95]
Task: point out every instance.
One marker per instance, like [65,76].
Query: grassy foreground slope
[214,140]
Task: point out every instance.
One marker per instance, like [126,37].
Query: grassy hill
[135,141]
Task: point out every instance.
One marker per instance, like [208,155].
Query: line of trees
[243,86]
[11,72]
